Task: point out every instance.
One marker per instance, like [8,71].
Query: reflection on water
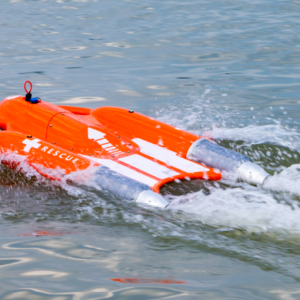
[148,280]
[129,293]
[62,268]
[227,70]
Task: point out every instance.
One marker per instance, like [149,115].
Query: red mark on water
[44,233]
[147,280]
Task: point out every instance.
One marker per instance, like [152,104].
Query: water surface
[223,69]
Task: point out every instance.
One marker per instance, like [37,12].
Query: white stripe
[95,134]
[113,165]
[148,166]
[110,149]
[168,157]
[106,145]
[103,141]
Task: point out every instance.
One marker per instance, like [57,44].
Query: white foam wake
[287,181]
[250,210]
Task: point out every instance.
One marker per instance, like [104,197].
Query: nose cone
[252,173]
[150,198]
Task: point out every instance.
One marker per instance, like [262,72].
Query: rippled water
[224,69]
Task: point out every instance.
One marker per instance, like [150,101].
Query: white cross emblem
[31,144]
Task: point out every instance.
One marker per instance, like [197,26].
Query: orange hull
[70,139]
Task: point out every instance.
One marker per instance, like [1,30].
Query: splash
[275,134]
[272,208]
[287,181]
[250,210]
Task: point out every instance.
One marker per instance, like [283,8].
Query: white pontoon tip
[252,173]
[152,198]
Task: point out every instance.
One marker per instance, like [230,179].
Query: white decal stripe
[116,152]
[148,166]
[168,157]
[95,134]
[106,145]
[113,165]
[103,141]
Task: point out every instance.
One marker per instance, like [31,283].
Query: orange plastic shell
[72,139]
